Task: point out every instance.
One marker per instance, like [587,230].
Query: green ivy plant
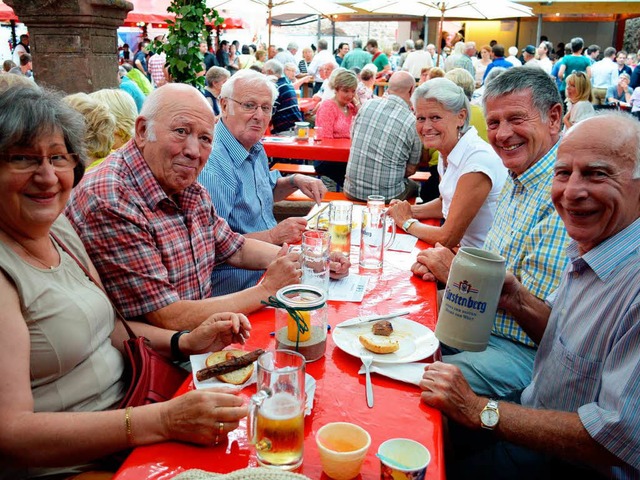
[184,60]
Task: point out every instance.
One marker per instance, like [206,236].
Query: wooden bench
[420,176]
[298,196]
[292,168]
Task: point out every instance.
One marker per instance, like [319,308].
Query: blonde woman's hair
[582,84]
[122,107]
[100,123]
[342,78]
[436,72]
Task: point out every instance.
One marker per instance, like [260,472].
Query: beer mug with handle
[374,238]
[276,412]
[340,216]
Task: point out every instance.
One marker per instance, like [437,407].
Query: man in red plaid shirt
[151,229]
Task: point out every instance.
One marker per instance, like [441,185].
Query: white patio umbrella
[461,9]
[274,8]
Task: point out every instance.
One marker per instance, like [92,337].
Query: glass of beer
[276,413]
[340,213]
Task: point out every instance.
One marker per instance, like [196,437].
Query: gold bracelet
[127,425]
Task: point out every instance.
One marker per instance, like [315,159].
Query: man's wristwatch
[406,225]
[489,416]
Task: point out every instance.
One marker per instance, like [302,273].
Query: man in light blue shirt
[237,175]
[604,74]
[580,416]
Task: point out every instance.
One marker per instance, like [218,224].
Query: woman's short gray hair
[249,76]
[447,94]
[28,114]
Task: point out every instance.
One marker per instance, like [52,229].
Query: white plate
[198,363]
[416,341]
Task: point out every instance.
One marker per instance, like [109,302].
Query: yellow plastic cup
[343,447]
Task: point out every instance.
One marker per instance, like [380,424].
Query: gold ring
[220,428]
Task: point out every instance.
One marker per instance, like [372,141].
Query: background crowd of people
[164,193]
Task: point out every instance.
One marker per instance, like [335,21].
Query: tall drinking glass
[340,214]
[315,258]
[374,239]
[276,413]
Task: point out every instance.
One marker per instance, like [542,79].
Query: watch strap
[176,354]
[407,224]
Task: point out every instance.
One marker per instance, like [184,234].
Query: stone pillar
[73,42]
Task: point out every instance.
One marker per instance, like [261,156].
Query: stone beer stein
[470,299]
[276,411]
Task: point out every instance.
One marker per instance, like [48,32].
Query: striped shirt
[384,141]
[241,188]
[529,233]
[150,250]
[287,112]
[589,357]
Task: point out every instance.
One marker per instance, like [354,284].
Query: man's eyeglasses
[251,107]
[22,163]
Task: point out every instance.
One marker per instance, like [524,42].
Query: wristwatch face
[489,417]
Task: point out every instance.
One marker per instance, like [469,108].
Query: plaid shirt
[150,250]
[383,142]
[529,233]
[156,69]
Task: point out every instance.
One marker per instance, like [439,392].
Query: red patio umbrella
[6,13]
[147,11]
[155,12]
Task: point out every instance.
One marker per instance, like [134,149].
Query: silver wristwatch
[406,225]
[489,416]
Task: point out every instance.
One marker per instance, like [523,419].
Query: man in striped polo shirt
[580,415]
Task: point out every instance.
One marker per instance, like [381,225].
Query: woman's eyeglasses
[22,163]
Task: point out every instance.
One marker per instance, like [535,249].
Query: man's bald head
[174,133]
[171,93]
[596,183]
[401,82]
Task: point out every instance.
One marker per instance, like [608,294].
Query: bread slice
[237,377]
[379,344]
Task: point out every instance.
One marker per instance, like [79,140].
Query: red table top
[339,396]
[329,149]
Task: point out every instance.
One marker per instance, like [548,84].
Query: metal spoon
[366,361]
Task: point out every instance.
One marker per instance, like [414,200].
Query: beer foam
[281,406]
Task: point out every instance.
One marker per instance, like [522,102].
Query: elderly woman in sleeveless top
[471,173]
[60,348]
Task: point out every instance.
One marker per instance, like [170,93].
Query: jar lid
[302,297]
[302,124]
